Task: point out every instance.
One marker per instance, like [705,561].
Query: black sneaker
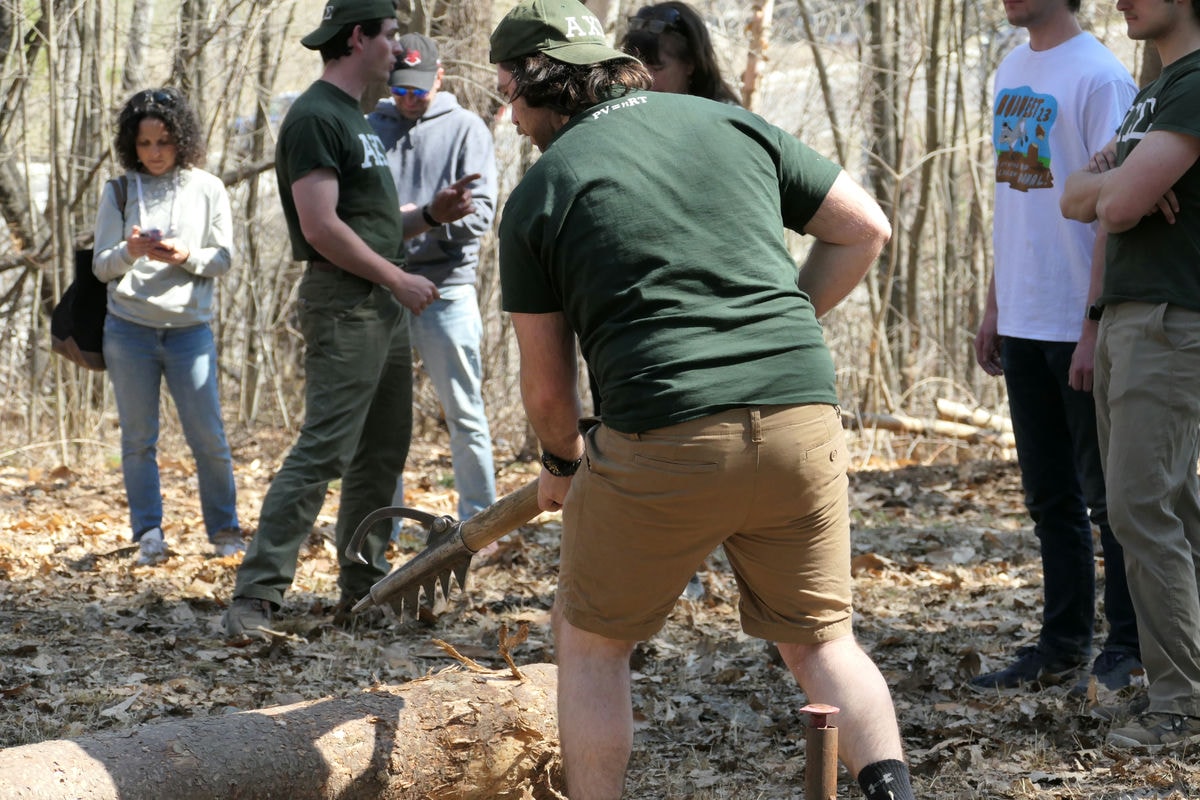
[1113,670]
[1032,667]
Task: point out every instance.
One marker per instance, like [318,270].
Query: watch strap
[560,467]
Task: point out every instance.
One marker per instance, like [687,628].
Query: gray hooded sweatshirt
[428,154]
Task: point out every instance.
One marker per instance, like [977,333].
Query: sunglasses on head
[154,97]
[655,20]
[403,91]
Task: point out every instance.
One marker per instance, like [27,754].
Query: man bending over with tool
[721,424]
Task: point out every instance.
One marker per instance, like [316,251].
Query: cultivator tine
[447,553]
[460,572]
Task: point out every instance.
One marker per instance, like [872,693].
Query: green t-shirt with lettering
[1157,261]
[326,129]
[655,223]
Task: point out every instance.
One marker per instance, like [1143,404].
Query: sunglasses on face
[404,91]
[655,20]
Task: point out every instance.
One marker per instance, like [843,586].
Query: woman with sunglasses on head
[159,255]
[672,41]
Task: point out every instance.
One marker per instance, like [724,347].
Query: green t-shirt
[655,223]
[325,129]
[1155,261]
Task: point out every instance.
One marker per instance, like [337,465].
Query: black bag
[77,322]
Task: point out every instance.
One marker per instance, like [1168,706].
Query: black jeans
[1061,473]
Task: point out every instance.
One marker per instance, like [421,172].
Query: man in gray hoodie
[433,142]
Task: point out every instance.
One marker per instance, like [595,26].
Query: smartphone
[154,234]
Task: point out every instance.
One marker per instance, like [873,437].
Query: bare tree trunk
[6,27]
[826,89]
[188,69]
[1151,66]
[924,203]
[141,19]
[464,48]
[881,170]
[251,355]
[462,735]
[760,37]
[606,11]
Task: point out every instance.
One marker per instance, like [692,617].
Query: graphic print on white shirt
[1021,135]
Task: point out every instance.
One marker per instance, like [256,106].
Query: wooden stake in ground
[461,735]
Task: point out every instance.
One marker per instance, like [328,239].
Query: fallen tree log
[468,736]
[979,417]
[937,427]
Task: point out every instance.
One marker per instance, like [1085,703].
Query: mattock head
[428,521]
[445,555]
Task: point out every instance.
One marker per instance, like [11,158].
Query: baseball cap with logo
[339,13]
[417,66]
[565,30]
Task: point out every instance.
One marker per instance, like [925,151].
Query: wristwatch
[1094,312]
[560,467]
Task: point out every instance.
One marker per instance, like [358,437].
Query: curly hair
[571,88]
[172,108]
[683,36]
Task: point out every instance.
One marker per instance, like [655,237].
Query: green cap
[562,29]
[339,13]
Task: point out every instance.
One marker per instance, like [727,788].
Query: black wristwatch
[1094,312]
[429,220]
[560,467]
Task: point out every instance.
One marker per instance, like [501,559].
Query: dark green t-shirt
[655,223]
[325,129]
[1156,261]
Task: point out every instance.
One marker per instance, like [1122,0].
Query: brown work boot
[1121,712]
[248,616]
[1153,731]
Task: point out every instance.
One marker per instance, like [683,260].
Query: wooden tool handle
[506,514]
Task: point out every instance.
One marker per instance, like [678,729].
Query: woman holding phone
[160,256]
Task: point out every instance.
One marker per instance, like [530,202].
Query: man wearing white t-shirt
[1058,99]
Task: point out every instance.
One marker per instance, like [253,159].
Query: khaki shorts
[768,483]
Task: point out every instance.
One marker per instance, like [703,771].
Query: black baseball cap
[418,65]
[339,13]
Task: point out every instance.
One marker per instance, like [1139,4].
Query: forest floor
[947,583]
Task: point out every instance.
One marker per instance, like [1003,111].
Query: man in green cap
[343,218]
[652,228]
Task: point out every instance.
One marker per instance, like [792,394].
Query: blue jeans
[1062,475]
[446,336]
[138,358]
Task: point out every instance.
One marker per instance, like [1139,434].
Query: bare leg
[841,674]
[595,710]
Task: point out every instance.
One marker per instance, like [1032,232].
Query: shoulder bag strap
[120,192]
